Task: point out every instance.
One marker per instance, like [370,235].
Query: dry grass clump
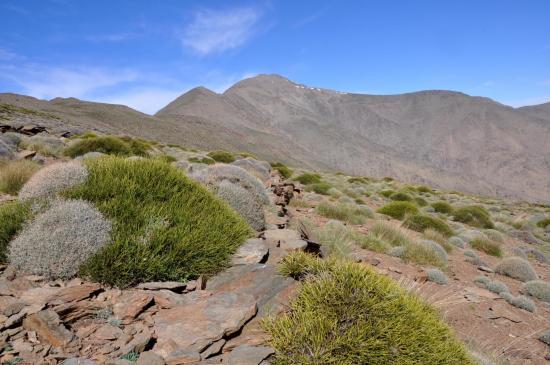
[14,174]
[52,179]
[322,188]
[483,244]
[398,210]
[243,202]
[424,254]
[336,239]
[43,144]
[433,235]
[473,215]
[381,238]
[538,289]
[221,156]
[166,227]
[346,313]
[60,239]
[12,217]
[420,223]
[350,213]
[516,268]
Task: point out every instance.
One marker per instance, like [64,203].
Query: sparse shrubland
[420,223]
[14,174]
[165,226]
[486,245]
[398,210]
[60,239]
[492,285]
[401,196]
[442,206]
[221,156]
[421,202]
[387,193]
[346,212]
[204,160]
[319,188]
[43,144]
[473,215]
[308,178]
[519,301]
[358,180]
[424,254]
[284,170]
[423,189]
[12,217]
[516,268]
[346,313]
[110,145]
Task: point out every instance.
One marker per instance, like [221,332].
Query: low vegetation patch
[14,174]
[308,178]
[442,207]
[387,193]
[483,244]
[401,196]
[346,212]
[110,145]
[204,160]
[423,254]
[538,289]
[398,210]
[221,156]
[420,223]
[12,217]
[165,226]
[346,313]
[437,276]
[284,170]
[358,180]
[319,188]
[516,268]
[336,239]
[543,223]
[440,238]
[473,215]
[521,301]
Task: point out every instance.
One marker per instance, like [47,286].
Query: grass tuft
[308,178]
[110,145]
[221,156]
[486,245]
[284,170]
[346,212]
[420,223]
[473,215]
[398,210]
[14,174]
[516,268]
[442,207]
[12,217]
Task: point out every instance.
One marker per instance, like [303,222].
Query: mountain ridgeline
[442,138]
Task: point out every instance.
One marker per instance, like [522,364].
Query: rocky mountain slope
[444,138]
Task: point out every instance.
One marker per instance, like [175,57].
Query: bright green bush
[346,313]
[538,289]
[358,180]
[285,171]
[14,174]
[423,189]
[398,210]
[401,196]
[320,188]
[442,207]
[421,202]
[308,178]
[473,215]
[420,223]
[165,226]
[221,156]
[516,268]
[387,193]
[204,160]
[110,145]
[486,245]
[543,223]
[12,217]
[350,213]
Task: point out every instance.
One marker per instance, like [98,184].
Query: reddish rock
[74,293]
[130,304]
[49,328]
[108,332]
[162,285]
[248,355]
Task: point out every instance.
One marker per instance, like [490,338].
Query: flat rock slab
[49,328]
[248,355]
[194,326]
[500,310]
[274,237]
[74,293]
[162,285]
[130,304]
[253,251]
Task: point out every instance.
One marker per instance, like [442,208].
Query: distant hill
[443,138]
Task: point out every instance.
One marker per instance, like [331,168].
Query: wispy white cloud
[48,82]
[216,31]
[110,38]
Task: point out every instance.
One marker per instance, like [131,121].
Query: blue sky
[145,53]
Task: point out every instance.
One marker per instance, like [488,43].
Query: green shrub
[394,236]
[308,178]
[473,215]
[221,156]
[398,210]
[543,223]
[486,245]
[12,217]
[516,268]
[110,145]
[165,226]
[346,313]
[283,169]
[14,174]
[401,196]
[423,189]
[204,160]
[538,289]
[420,223]
[437,276]
[247,155]
[320,188]
[421,202]
[387,193]
[358,180]
[350,213]
[442,207]
[370,242]
[423,254]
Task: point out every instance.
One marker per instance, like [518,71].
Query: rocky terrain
[442,138]
[483,263]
